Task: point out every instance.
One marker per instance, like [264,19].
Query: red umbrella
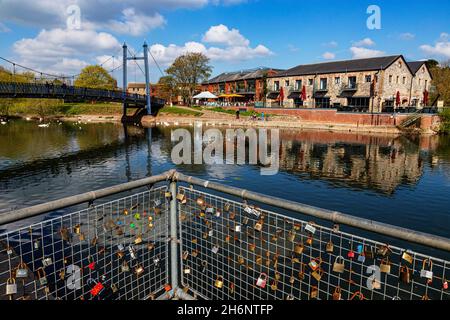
[304,93]
[425,97]
[281,96]
[398,99]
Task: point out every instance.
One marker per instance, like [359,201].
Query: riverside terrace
[382,84]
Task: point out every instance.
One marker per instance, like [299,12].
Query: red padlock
[97,289]
[351,254]
[262,281]
[91,266]
[445,285]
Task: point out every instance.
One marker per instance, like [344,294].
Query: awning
[320,94]
[231,96]
[205,95]
[273,95]
[295,95]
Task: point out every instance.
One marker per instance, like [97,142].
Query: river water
[402,181]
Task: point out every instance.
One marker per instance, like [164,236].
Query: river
[403,181]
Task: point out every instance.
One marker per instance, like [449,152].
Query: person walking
[238,114]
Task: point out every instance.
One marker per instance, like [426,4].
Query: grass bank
[179,112]
[229,111]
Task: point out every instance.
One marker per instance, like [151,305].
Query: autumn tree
[188,71]
[95,77]
[167,88]
[441,83]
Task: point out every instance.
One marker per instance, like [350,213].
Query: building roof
[136,85]
[370,64]
[240,75]
[416,65]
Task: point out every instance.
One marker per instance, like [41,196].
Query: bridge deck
[71,93]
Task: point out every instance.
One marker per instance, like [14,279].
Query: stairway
[411,120]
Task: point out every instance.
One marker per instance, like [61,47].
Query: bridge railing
[60,91]
[199,239]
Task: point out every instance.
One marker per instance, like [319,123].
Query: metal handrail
[417,237]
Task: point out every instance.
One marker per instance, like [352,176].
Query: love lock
[22,271]
[424,273]
[219,282]
[262,281]
[11,287]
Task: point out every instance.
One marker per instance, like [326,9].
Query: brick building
[374,84]
[248,83]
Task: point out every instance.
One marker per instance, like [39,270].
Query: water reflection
[410,177]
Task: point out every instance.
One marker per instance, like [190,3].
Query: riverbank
[328,120]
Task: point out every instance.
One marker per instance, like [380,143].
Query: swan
[44,125]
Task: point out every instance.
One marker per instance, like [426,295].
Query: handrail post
[173,236]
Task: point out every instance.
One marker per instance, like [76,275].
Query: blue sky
[235,34]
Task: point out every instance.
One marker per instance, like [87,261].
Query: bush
[445,120]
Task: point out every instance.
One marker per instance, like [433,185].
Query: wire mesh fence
[236,251]
[116,250]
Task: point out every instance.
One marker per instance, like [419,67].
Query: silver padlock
[361,258]
[310,228]
[237,228]
[132,252]
[125,267]
[42,277]
[157,203]
[156,261]
[11,286]
[9,251]
[215,249]
[209,210]
[424,273]
[120,247]
[46,262]
[37,244]
[22,271]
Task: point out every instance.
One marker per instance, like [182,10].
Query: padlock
[314,293]
[157,203]
[368,252]
[200,201]
[317,274]
[82,237]
[405,275]
[209,210]
[194,253]
[262,281]
[360,249]
[11,287]
[137,216]
[384,251]
[138,270]
[77,229]
[125,212]
[215,249]
[42,276]
[114,288]
[125,267]
[259,226]
[150,246]
[292,280]
[330,247]
[185,255]
[46,262]
[289,297]
[309,241]
[252,247]
[358,295]
[227,207]
[22,271]
[219,282]
[94,241]
[315,264]
[407,257]
[97,289]
[424,273]
[376,284]
[187,270]
[204,265]
[274,285]
[259,260]
[232,288]
[237,228]
[65,234]
[337,294]
[227,238]
[232,215]
[298,248]
[351,254]
[182,198]
[138,240]
[362,257]
[36,244]
[310,227]
[445,285]
[9,250]
[425,298]
[157,211]
[339,265]
[385,266]
[291,235]
[132,252]
[168,195]
[156,262]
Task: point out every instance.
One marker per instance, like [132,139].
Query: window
[298,85]
[352,82]
[276,85]
[310,82]
[398,79]
[323,103]
[368,78]
[390,78]
[426,84]
[337,81]
[323,83]
[287,83]
[404,80]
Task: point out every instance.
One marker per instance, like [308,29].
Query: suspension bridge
[62,86]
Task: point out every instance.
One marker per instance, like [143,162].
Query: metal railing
[39,90]
[200,239]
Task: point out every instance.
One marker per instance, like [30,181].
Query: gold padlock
[125,212]
[219,282]
[200,201]
[298,249]
[385,266]
[138,270]
[291,235]
[182,198]
[337,293]
[77,229]
[252,247]
[259,225]
[314,293]
[318,274]
[330,247]
[138,240]
[274,285]
[259,260]
[339,265]
[82,237]
[309,241]
[407,257]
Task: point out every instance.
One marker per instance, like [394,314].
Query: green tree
[431,63]
[95,77]
[188,71]
[167,88]
[441,84]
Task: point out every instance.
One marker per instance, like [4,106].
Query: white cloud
[329,55]
[363,53]
[233,46]
[62,50]
[441,49]
[366,42]
[222,35]
[135,24]
[407,36]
